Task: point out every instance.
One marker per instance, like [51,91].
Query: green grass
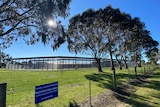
[148,93]
[73,85]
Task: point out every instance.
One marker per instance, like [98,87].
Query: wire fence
[54,63]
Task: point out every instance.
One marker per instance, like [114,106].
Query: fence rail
[54,63]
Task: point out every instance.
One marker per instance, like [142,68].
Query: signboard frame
[45,92]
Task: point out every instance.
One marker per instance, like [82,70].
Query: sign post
[45,92]
[3,87]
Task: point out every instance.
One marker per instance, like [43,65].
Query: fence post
[3,87]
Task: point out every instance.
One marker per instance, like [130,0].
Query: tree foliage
[109,31]
[4,58]
[96,33]
[85,35]
[138,41]
[152,53]
[27,19]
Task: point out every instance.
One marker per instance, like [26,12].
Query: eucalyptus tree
[138,41]
[85,35]
[4,58]
[126,26]
[152,51]
[152,55]
[118,55]
[120,49]
[27,19]
[125,53]
[112,24]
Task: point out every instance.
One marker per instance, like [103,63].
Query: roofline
[51,57]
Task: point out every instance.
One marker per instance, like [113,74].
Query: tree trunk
[120,66]
[114,72]
[140,64]
[99,64]
[126,65]
[112,62]
[135,66]
[125,62]
[119,62]
[114,80]
[135,70]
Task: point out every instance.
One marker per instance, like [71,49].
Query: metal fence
[54,63]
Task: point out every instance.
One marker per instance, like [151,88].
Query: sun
[51,22]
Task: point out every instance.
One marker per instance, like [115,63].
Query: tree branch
[3,4]
[26,26]
[11,29]
[6,3]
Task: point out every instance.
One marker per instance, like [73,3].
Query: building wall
[55,63]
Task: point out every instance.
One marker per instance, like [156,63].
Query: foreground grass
[148,93]
[73,85]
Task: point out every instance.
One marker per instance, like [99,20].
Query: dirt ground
[111,98]
[108,98]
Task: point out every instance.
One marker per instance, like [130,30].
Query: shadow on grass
[126,92]
[148,81]
[140,103]
[105,79]
[153,83]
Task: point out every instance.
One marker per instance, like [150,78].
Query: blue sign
[46,92]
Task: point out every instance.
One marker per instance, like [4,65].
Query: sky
[147,10]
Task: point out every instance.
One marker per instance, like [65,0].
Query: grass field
[148,93]
[73,85]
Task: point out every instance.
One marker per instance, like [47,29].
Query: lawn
[73,85]
[148,93]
